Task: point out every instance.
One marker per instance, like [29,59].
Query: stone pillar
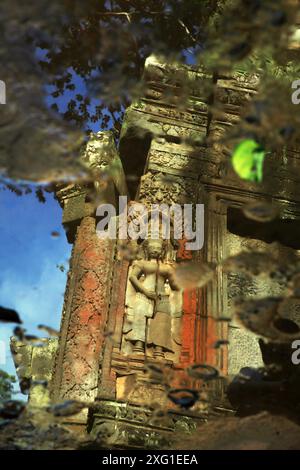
[87,298]
[84,316]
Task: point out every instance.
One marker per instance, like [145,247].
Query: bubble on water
[183,397]
[261,211]
[193,275]
[51,331]
[203,372]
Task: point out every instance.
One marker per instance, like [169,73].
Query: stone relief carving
[101,158]
[156,188]
[98,152]
[183,164]
[153,305]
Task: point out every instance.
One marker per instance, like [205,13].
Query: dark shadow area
[284,231]
[133,152]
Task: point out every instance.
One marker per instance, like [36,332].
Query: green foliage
[248,159]
[263,61]
[106,43]
[6,385]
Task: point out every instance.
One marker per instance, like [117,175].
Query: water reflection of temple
[111,351]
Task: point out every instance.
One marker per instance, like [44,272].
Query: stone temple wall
[171,150]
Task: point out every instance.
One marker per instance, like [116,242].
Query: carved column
[84,316]
[88,292]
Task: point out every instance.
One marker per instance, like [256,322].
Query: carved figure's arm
[173,284]
[136,273]
[134,278]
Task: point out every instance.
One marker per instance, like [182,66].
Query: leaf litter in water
[221,342]
[11,409]
[67,408]
[49,330]
[8,315]
[25,384]
[20,334]
[261,316]
[55,234]
[264,22]
[254,263]
[224,319]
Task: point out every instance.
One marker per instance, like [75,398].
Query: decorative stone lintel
[132,426]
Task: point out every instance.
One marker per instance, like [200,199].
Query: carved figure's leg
[158,352]
[139,347]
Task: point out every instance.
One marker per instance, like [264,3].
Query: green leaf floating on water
[248,159]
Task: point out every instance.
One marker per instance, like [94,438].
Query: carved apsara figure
[149,322]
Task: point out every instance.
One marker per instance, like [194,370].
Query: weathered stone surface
[138,426]
[243,350]
[102,181]
[84,317]
[101,159]
[34,365]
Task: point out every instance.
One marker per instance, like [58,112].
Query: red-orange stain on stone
[91,254]
[90,282]
[211,338]
[182,253]
[85,313]
[188,327]
[86,307]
